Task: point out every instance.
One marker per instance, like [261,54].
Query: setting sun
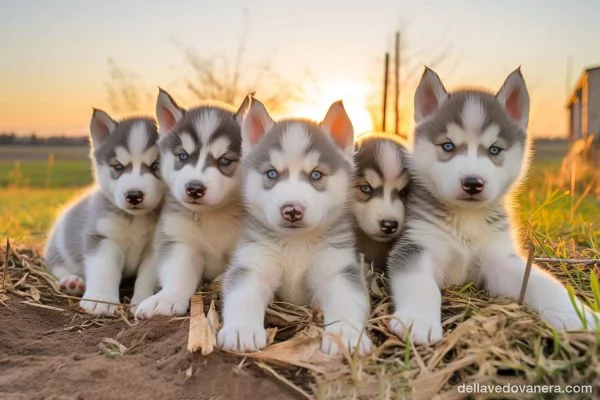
[353,94]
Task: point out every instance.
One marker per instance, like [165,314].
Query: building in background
[583,106]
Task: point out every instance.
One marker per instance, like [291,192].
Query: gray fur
[421,203]
[319,142]
[449,111]
[77,227]
[366,157]
[228,128]
[338,232]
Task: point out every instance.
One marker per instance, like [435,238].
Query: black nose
[388,226]
[473,185]
[134,197]
[195,189]
[292,212]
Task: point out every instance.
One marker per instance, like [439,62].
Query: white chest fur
[212,235]
[295,258]
[455,244]
[132,234]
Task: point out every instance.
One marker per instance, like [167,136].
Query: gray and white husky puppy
[297,243]
[380,187]
[107,233]
[201,220]
[470,149]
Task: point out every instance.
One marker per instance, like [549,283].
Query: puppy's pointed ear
[255,124]
[429,96]
[167,112]
[101,126]
[339,126]
[239,114]
[514,97]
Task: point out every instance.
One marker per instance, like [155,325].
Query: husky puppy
[107,234]
[470,149]
[297,241]
[200,151]
[381,185]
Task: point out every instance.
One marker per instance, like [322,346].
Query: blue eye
[272,174]
[448,146]
[366,189]
[223,161]
[494,150]
[316,175]
[118,167]
[182,156]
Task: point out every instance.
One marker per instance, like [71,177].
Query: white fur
[473,115]
[369,214]
[201,250]
[447,260]
[418,302]
[103,271]
[121,255]
[299,266]
[138,138]
[390,160]
[497,180]
[286,267]
[124,248]
[465,246]
[319,207]
[152,187]
[218,186]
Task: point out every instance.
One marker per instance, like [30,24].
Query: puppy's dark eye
[272,174]
[366,189]
[155,166]
[118,167]
[494,150]
[224,161]
[182,156]
[316,175]
[448,147]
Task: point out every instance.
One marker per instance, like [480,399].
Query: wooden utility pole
[385,89]
[397,84]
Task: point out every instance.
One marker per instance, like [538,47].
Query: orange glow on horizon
[353,94]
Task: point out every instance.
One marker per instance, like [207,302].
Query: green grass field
[44,166]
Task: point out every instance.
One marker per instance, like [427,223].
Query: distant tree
[7,138]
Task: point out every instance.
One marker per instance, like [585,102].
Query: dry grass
[486,341]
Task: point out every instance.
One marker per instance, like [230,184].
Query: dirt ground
[45,354]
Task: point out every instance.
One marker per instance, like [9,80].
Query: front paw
[242,338]
[73,285]
[567,319]
[423,329]
[137,299]
[347,336]
[101,306]
[162,303]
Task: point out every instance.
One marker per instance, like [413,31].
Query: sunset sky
[54,67]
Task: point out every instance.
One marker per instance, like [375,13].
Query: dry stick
[527,272]
[568,260]
[5,271]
